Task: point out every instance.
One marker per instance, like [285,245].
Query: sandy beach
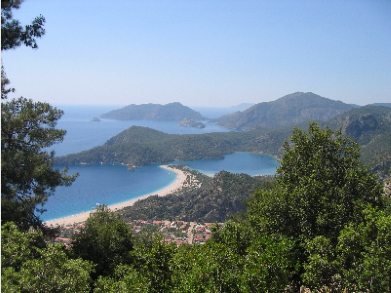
[181,177]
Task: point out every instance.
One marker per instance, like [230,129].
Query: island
[191,123]
[170,112]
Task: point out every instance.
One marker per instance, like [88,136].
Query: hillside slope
[203,199]
[138,146]
[289,110]
[370,127]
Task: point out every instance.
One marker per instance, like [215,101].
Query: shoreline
[82,217]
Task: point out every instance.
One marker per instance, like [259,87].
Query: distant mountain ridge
[369,126]
[291,109]
[217,112]
[381,104]
[170,112]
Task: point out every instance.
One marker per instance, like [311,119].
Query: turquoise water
[111,184]
[104,184]
[248,163]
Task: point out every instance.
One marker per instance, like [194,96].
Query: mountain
[170,112]
[217,112]
[381,104]
[288,110]
[241,107]
[370,127]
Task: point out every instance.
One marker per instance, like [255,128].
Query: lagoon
[111,184]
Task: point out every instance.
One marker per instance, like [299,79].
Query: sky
[204,53]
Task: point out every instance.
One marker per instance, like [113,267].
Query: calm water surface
[248,163]
[104,184]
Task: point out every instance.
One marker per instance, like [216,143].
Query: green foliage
[28,268]
[235,235]
[28,176]
[17,247]
[153,263]
[267,210]
[364,252]
[320,266]
[4,84]
[12,33]
[322,182]
[51,272]
[270,264]
[206,268]
[126,279]
[106,241]
[330,208]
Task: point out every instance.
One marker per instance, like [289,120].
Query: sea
[111,184]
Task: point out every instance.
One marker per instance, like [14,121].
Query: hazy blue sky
[204,53]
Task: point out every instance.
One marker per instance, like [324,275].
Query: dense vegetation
[203,199]
[289,110]
[173,111]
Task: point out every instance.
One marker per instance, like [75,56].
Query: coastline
[82,217]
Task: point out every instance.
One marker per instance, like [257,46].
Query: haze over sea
[111,184]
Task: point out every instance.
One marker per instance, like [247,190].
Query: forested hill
[288,110]
[202,199]
[370,127]
[169,112]
[138,146]
[139,134]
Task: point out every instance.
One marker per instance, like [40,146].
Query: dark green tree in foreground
[27,173]
[106,241]
[28,268]
[321,186]
[322,197]
[27,129]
